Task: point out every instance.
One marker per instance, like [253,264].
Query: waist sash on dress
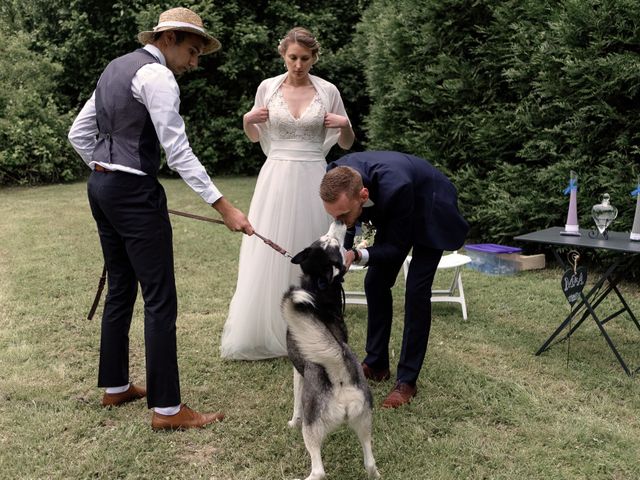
[296,151]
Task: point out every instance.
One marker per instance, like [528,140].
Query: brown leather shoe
[401,394]
[185,418]
[131,394]
[375,375]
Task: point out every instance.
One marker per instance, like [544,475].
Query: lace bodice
[282,126]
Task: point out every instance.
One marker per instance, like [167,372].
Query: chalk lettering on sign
[573,282]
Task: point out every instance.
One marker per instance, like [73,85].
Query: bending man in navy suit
[412,206]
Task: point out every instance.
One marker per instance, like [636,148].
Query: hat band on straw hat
[181,19]
[173,24]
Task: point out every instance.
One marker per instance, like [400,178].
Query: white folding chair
[453,260]
[355,297]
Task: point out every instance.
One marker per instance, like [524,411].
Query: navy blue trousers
[417,312]
[135,233]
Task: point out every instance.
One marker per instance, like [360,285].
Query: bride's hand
[257,115]
[331,120]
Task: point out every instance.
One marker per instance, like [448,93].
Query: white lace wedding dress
[286,208]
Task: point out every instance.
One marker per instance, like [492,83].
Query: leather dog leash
[103,277]
[96,300]
[273,245]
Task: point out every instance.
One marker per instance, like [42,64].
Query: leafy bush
[214,98]
[507,97]
[32,130]
[74,40]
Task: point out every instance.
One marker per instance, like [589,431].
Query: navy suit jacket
[413,204]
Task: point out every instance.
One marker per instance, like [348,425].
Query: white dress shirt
[155,86]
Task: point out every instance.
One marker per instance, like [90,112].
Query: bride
[297,118]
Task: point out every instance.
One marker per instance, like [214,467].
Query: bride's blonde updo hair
[303,37]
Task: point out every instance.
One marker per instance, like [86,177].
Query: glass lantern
[603,214]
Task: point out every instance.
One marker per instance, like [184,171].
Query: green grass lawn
[487,407]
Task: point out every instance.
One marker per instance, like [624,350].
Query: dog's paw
[373,473]
[295,422]
[316,476]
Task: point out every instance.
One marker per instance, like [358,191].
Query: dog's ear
[300,256]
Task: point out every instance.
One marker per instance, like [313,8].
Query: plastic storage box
[493,259]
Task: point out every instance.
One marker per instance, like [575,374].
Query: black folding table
[617,242]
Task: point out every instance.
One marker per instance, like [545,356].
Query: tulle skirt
[286,208]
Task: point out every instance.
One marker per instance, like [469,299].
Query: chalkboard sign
[573,282]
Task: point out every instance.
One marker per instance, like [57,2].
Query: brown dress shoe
[131,394]
[185,418]
[375,375]
[401,394]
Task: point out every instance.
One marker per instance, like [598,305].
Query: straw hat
[185,20]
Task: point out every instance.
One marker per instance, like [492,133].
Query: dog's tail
[314,340]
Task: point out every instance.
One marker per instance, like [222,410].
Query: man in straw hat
[118,133]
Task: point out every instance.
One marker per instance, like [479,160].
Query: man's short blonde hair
[340,180]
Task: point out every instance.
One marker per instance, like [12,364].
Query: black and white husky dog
[329,387]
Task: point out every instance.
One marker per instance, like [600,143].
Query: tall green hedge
[72,41]
[215,98]
[33,130]
[508,96]
[505,96]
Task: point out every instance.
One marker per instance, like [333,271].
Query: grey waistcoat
[126,135]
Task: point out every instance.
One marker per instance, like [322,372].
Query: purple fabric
[491,248]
